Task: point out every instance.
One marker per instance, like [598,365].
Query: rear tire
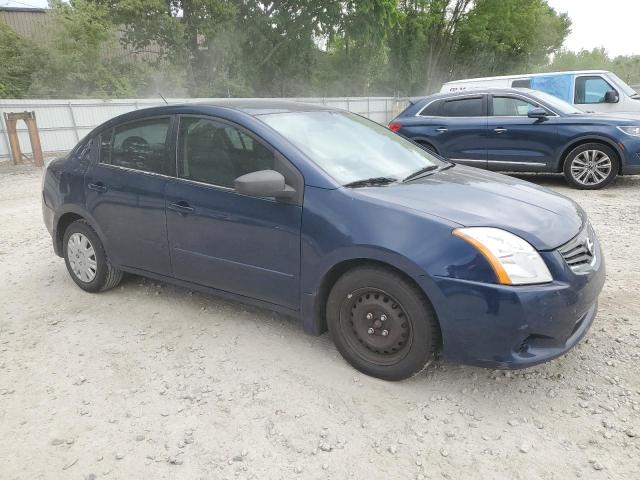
[382,324]
[591,166]
[86,259]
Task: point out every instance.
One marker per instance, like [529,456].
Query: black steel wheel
[382,323]
[375,326]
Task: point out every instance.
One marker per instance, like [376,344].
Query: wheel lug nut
[385,333]
[383,318]
[371,331]
[369,316]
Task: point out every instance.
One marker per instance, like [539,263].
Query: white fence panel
[63,122]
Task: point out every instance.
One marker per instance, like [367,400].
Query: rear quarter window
[463,107]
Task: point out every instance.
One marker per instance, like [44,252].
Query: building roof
[6,8]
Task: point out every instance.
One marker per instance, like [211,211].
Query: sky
[612,24]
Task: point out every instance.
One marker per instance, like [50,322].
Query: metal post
[368,107]
[73,122]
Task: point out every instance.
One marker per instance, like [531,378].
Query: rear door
[516,142]
[459,129]
[125,192]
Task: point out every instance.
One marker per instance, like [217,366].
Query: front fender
[584,138]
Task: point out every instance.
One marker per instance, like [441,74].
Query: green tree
[82,60]
[19,60]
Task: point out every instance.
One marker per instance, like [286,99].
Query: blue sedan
[331,218]
[521,130]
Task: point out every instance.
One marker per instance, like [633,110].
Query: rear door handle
[499,130]
[97,187]
[442,129]
[181,207]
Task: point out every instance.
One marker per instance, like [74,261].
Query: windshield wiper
[420,172]
[371,182]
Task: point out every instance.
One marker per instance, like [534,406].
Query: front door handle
[97,187]
[442,129]
[181,207]
[499,130]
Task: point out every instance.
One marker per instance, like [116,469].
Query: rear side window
[463,107]
[217,153]
[432,109]
[521,83]
[590,90]
[140,145]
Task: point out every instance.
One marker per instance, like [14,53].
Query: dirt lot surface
[154,381]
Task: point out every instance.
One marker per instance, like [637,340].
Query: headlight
[635,131]
[514,260]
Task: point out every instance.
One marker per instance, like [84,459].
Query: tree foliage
[212,48]
[19,60]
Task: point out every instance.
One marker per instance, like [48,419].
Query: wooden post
[14,144]
[34,138]
[11,120]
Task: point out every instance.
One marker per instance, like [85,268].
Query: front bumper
[501,326]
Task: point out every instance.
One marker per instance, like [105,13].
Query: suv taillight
[395,126]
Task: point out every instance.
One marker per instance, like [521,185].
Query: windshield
[557,104]
[622,85]
[351,148]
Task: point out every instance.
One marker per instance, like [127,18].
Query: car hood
[473,197]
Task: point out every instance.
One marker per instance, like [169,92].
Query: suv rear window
[463,107]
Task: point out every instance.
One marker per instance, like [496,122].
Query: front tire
[86,259]
[382,324]
[591,166]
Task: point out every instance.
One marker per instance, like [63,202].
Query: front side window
[511,107]
[217,153]
[590,90]
[463,107]
[349,147]
[140,145]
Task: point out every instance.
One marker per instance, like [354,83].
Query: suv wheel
[382,324]
[591,166]
[86,260]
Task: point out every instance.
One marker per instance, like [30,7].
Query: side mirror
[264,183]
[611,97]
[537,112]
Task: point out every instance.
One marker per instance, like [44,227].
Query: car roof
[474,91]
[247,106]
[527,75]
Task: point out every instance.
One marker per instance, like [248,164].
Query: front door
[125,193]
[228,241]
[516,142]
[589,94]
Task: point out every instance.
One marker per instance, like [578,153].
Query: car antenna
[165,100]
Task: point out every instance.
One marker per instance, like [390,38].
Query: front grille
[580,252]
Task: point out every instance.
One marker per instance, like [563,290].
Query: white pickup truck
[588,90]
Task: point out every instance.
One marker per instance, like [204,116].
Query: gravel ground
[154,381]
